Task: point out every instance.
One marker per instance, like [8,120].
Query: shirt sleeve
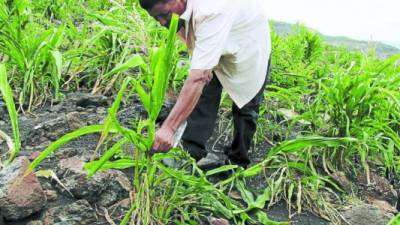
[211,34]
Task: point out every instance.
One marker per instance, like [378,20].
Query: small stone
[20,196]
[73,164]
[66,153]
[382,205]
[101,110]
[218,221]
[77,213]
[119,209]
[340,178]
[51,195]
[34,155]
[365,214]
[119,187]
[35,222]
[75,120]
[87,100]
[235,195]
[74,178]
[379,188]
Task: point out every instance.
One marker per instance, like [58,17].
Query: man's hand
[164,139]
[185,104]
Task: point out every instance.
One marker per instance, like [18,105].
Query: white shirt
[231,37]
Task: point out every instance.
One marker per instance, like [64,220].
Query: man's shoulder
[211,7]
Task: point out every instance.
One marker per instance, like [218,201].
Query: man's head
[162,10]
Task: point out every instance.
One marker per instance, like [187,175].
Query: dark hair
[149,4]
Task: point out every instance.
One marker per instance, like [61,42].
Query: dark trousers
[201,123]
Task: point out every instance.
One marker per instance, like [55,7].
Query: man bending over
[230,46]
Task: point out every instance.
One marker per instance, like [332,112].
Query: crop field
[84,85]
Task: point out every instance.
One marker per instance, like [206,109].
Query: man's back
[232,37]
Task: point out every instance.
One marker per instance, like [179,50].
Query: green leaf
[62,141]
[221,169]
[5,90]
[106,156]
[134,61]
[163,69]
[305,142]
[395,220]
[262,199]
[247,196]
[144,97]
[117,164]
[253,171]
[56,75]
[263,218]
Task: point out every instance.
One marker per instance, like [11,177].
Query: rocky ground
[60,194]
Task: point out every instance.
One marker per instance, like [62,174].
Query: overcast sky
[377,20]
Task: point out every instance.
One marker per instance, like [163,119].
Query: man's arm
[187,100]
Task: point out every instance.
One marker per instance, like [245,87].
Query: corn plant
[162,194]
[395,220]
[338,94]
[105,43]
[6,92]
[32,51]
[147,183]
[363,105]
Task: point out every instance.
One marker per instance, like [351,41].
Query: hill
[382,50]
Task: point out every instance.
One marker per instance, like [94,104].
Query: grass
[6,92]
[395,220]
[319,90]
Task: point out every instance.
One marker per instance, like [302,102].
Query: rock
[118,189]
[218,221]
[20,196]
[341,179]
[74,164]
[51,195]
[366,215]
[3,111]
[379,188]
[398,200]
[107,187]
[382,205]
[88,100]
[54,128]
[35,222]
[65,153]
[75,120]
[101,110]
[34,155]
[235,195]
[119,209]
[77,213]
[75,180]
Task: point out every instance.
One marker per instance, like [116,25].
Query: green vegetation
[326,109]
[395,221]
[5,90]
[382,50]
